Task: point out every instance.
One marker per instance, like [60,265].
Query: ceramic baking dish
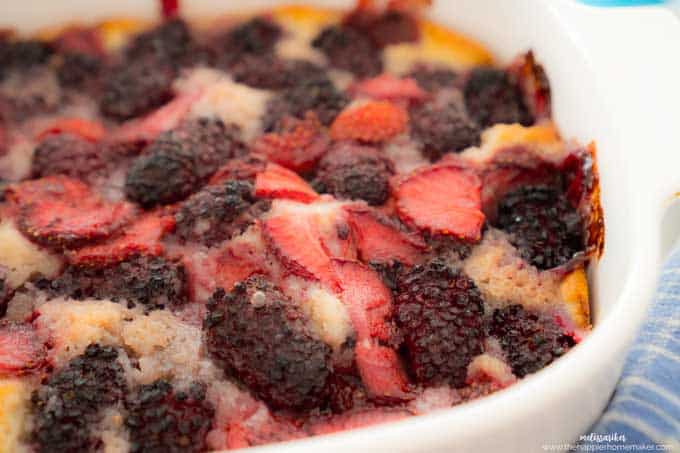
[614,74]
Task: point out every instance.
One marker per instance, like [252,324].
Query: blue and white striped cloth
[645,409]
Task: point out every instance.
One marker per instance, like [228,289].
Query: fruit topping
[151,281]
[68,406]
[79,70]
[444,200]
[542,224]
[319,96]
[255,37]
[20,350]
[381,372]
[533,84]
[270,73]
[491,97]
[217,213]
[443,126]
[371,122]
[22,55]
[181,160]
[170,42]
[243,168]
[296,144]
[440,313]
[355,172]
[530,340]
[433,79]
[59,211]
[279,182]
[383,240]
[387,87]
[87,130]
[132,90]
[349,50]
[67,154]
[161,418]
[142,237]
[394,25]
[261,337]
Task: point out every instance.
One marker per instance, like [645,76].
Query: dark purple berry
[271,73]
[255,37]
[542,224]
[218,212]
[79,70]
[161,418]
[319,96]
[66,154]
[530,340]
[261,337]
[491,98]
[170,42]
[151,281]
[440,313]
[133,89]
[67,407]
[349,50]
[390,27]
[355,172]
[433,79]
[22,55]
[443,126]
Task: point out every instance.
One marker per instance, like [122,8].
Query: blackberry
[440,313]
[66,154]
[355,172]
[319,96]
[260,337]
[390,27]
[150,281]
[163,419]
[133,89]
[433,79]
[271,73]
[443,126]
[79,70]
[22,55]
[389,272]
[349,50]
[68,406]
[255,37]
[169,42]
[218,212]
[346,392]
[542,224]
[181,161]
[491,97]
[530,340]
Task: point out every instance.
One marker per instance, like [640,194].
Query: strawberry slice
[373,122]
[387,87]
[381,372]
[152,125]
[279,182]
[443,200]
[298,145]
[88,130]
[20,350]
[63,212]
[243,168]
[296,240]
[143,237]
[378,241]
[368,301]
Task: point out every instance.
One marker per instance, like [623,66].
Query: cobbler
[267,227]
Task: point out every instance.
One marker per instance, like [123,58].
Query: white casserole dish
[614,74]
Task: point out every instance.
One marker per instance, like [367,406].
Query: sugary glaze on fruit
[222,235]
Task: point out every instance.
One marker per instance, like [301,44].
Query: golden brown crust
[574,291]
[13,398]
[595,218]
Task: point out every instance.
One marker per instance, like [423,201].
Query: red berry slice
[64,212]
[373,122]
[386,87]
[381,372]
[20,350]
[380,242]
[89,130]
[298,146]
[296,240]
[368,300]
[443,200]
[279,182]
[143,237]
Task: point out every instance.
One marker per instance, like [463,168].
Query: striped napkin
[644,413]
